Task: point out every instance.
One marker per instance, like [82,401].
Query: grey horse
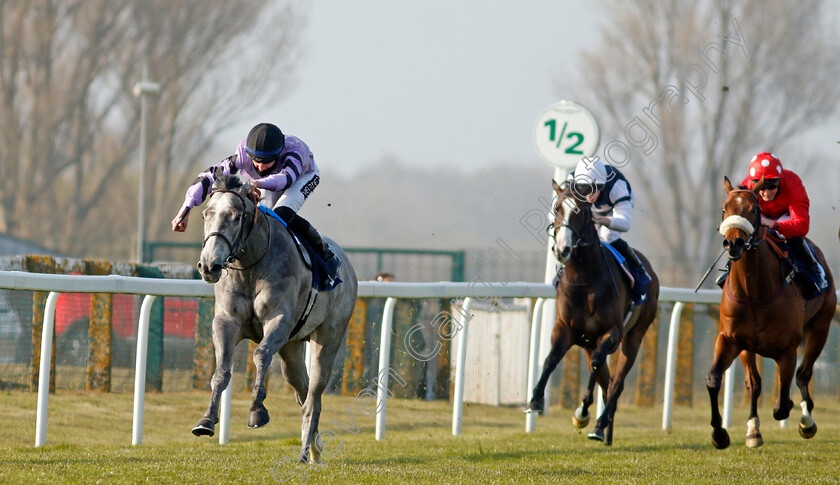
[262,289]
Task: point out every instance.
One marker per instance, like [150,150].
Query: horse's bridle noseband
[240,241]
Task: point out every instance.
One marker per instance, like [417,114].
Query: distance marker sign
[564,133]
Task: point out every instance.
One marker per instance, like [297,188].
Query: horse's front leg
[725,352]
[753,383]
[225,332]
[581,417]
[627,353]
[273,339]
[560,343]
[599,368]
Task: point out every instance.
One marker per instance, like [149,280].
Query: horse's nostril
[216,268]
[726,243]
[198,265]
[565,252]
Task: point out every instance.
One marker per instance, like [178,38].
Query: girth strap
[313,295]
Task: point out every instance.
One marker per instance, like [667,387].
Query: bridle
[237,247]
[754,240]
[752,243]
[578,239]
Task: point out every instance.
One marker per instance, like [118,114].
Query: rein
[240,241]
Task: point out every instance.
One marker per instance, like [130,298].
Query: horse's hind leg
[753,383]
[224,334]
[324,346]
[816,333]
[560,343]
[785,366]
[725,353]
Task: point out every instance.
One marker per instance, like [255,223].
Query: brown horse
[761,313]
[594,311]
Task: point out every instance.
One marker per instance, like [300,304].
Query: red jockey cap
[766,165]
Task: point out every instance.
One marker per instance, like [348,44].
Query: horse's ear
[758,185]
[218,173]
[727,185]
[561,187]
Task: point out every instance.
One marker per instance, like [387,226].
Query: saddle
[321,280]
[793,268]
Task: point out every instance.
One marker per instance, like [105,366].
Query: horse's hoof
[596,435]
[205,427]
[536,406]
[783,412]
[807,432]
[755,440]
[258,419]
[720,438]
[580,420]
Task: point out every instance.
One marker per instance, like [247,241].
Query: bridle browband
[241,237]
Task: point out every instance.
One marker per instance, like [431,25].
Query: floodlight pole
[141,90]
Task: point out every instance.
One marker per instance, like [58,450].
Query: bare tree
[70,123]
[689,91]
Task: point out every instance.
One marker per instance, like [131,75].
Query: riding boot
[639,290]
[301,226]
[804,254]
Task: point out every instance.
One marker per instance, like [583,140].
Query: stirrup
[721,279]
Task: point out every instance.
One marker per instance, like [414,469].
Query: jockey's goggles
[769,184]
[263,160]
[585,190]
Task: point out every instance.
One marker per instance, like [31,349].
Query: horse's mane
[225,181]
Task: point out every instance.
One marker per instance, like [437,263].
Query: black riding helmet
[265,142]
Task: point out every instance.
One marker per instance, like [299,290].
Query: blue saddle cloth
[321,279]
[641,280]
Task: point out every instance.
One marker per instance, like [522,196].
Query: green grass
[89,436]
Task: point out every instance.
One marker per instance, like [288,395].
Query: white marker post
[563,134]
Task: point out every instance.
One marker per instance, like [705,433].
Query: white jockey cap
[591,171]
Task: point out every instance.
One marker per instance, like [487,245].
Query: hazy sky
[435,83]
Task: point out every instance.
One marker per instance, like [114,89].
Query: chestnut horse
[594,311]
[761,313]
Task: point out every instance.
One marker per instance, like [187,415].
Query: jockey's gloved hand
[767,222]
[602,220]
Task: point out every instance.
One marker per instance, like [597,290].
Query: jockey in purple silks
[283,168]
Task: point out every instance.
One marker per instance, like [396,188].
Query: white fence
[543,293]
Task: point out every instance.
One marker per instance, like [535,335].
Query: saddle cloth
[622,263]
[321,280]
